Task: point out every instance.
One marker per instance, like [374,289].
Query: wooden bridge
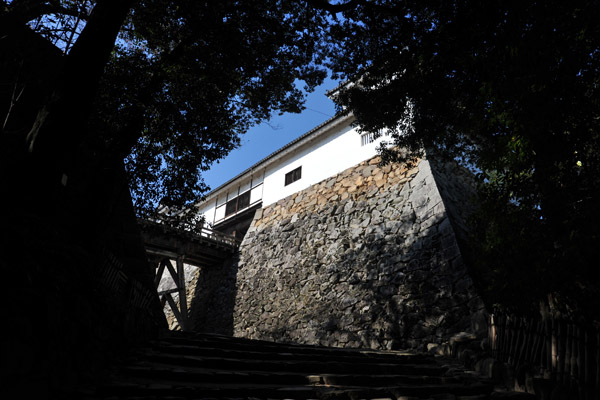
[166,245]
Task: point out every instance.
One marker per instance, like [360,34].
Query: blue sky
[265,138]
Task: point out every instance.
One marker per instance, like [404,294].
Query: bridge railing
[190,233]
[219,236]
[169,248]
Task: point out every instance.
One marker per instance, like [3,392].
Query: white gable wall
[328,153]
[214,208]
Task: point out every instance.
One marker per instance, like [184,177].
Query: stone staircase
[199,366]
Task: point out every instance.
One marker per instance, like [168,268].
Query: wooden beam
[159,273]
[195,259]
[175,275]
[175,310]
[168,291]
[182,293]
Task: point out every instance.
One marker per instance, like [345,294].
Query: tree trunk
[57,142]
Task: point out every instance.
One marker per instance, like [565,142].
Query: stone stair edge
[279,352]
[196,374]
[270,365]
[317,390]
[217,338]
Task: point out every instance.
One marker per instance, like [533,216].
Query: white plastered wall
[326,155]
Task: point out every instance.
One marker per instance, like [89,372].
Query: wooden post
[587,365]
[182,294]
[509,338]
[492,335]
[524,342]
[510,327]
[504,350]
[543,346]
[520,338]
[554,349]
[499,337]
[516,340]
[560,367]
[567,367]
[548,355]
[503,338]
[581,361]
[597,385]
[576,359]
[530,342]
[535,352]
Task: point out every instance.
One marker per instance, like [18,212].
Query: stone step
[184,366]
[284,353]
[168,389]
[243,344]
[316,366]
[156,372]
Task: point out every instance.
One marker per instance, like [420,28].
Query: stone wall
[214,298]
[457,186]
[367,258]
[210,295]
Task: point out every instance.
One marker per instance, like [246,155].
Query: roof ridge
[273,154]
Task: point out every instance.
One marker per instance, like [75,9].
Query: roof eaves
[336,89]
[275,153]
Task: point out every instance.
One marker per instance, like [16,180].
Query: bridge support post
[165,244]
[183,309]
[180,312]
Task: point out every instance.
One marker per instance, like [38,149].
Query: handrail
[219,236]
[205,232]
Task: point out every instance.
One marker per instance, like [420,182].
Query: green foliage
[511,88]
[189,77]
[185,80]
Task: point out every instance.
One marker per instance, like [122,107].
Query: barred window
[366,138]
[244,200]
[370,137]
[293,176]
[231,207]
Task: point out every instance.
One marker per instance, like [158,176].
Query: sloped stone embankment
[367,258]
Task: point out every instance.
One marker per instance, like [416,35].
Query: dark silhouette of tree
[174,93]
[512,89]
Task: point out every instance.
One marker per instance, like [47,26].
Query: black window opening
[293,176]
[231,207]
[244,200]
[237,204]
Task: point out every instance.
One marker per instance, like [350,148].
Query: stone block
[367,171]
[375,160]
[363,255]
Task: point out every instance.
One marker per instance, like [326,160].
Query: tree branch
[71,100]
[335,8]
[19,13]
[338,8]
